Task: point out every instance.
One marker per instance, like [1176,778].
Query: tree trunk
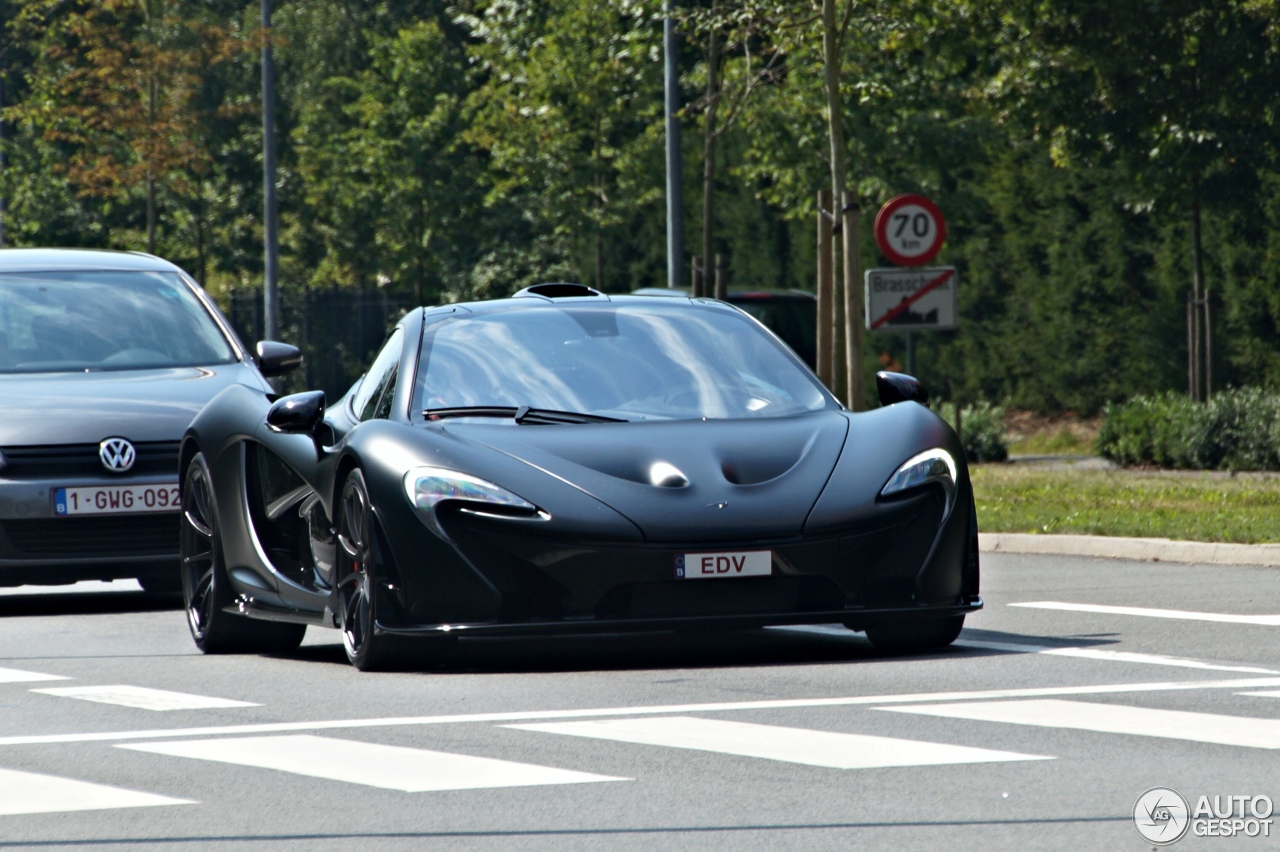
[835,125]
[598,246]
[826,316]
[1203,371]
[709,164]
[202,262]
[853,306]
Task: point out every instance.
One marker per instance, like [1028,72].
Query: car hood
[82,408]
[747,479]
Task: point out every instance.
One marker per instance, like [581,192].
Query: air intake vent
[559,290]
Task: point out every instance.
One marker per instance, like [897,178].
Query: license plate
[117,499]
[745,563]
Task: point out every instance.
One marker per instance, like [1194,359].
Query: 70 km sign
[910,230]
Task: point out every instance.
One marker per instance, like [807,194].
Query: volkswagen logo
[117,454]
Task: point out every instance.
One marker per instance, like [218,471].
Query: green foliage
[1235,430]
[981,430]
[448,149]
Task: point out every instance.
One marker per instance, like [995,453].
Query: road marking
[1270,694]
[1114,656]
[1264,620]
[29,793]
[771,742]
[389,767]
[19,676]
[143,698]
[671,709]
[1115,719]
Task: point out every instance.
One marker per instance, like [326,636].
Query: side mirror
[297,414]
[899,387]
[276,359]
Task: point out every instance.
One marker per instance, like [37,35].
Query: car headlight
[935,465]
[426,487]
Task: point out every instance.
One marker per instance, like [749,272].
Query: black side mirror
[276,358]
[297,414]
[899,387]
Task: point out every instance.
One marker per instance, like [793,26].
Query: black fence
[338,331]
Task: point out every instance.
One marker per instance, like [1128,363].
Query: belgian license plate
[743,563]
[117,499]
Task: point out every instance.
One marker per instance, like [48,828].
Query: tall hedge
[1237,430]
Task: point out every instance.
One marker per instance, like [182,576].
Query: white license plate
[117,499]
[745,563]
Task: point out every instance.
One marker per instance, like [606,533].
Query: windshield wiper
[524,415]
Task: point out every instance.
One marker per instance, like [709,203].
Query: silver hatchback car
[105,358]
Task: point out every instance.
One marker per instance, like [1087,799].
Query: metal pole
[270,235]
[911,353]
[675,197]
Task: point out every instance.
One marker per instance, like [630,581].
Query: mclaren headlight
[426,487]
[935,465]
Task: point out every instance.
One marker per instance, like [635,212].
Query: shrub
[981,430]
[1236,430]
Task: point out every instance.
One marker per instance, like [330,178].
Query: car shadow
[791,646]
[85,603]
[774,646]
[1022,640]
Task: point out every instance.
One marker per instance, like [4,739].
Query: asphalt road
[1039,729]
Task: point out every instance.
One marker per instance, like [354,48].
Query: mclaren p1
[564,461]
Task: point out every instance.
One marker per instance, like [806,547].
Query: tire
[206,590]
[917,634]
[357,585]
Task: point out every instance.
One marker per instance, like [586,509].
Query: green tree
[565,114]
[116,95]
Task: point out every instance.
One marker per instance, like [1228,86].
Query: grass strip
[1197,506]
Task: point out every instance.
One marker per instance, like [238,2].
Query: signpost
[911,299]
[910,231]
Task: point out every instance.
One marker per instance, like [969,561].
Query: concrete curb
[1147,549]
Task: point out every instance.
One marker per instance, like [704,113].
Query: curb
[1144,549]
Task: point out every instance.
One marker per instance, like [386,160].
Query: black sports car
[566,461]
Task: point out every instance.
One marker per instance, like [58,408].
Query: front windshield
[75,320]
[621,360]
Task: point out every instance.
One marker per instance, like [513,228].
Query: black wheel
[206,591]
[357,581]
[917,634]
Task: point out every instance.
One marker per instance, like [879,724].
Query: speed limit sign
[910,230]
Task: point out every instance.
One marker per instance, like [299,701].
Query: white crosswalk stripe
[143,698]
[20,676]
[371,764]
[32,793]
[1149,612]
[771,742]
[1114,719]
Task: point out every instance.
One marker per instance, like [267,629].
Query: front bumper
[907,560]
[39,547]
[853,619]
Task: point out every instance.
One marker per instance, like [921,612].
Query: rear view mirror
[899,387]
[276,358]
[297,414]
